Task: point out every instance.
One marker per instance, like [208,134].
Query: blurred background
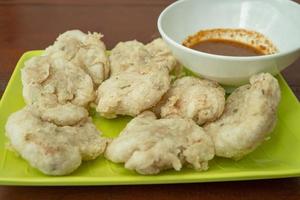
[34,24]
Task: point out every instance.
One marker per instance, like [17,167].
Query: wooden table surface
[33,24]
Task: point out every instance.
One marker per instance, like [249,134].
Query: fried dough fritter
[133,55]
[149,145]
[52,149]
[131,92]
[193,98]
[52,85]
[83,50]
[248,118]
[139,78]
[128,56]
[161,54]
[62,114]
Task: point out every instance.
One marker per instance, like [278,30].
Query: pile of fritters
[54,132]
[176,123]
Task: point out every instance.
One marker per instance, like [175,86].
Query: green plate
[277,157]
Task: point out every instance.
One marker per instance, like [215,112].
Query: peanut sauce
[226,48]
[230,42]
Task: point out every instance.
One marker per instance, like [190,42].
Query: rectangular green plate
[277,157]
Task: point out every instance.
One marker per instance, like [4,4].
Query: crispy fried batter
[161,54]
[133,55]
[249,117]
[149,145]
[52,85]
[54,150]
[131,92]
[128,56]
[83,50]
[198,99]
[139,78]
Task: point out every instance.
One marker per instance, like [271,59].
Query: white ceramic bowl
[278,20]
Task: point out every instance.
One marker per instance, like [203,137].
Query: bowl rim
[222,57]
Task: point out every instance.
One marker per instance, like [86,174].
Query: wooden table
[33,24]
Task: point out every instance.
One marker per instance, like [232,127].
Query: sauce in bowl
[226,48]
[231,42]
